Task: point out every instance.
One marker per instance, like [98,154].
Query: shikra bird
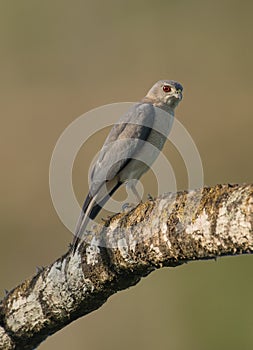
[130,149]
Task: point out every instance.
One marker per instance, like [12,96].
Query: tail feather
[84,208]
[83,220]
[90,210]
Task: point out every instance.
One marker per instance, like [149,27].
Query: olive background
[60,59]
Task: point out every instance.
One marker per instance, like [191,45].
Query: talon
[150,197]
[125,206]
[39,269]
[128,206]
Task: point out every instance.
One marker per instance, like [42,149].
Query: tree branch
[168,231]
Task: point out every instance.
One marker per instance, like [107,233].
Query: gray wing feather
[126,138]
[123,141]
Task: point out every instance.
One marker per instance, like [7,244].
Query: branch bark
[168,231]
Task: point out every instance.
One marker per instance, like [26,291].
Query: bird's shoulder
[123,140]
[133,123]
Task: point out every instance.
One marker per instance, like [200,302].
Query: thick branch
[168,231]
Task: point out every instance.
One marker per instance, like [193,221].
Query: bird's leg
[135,192]
[131,185]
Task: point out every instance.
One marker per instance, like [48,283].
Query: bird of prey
[131,147]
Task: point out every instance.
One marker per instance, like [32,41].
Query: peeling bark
[168,231]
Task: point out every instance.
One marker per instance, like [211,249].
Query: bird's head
[165,94]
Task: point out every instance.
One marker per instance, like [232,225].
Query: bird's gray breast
[148,150]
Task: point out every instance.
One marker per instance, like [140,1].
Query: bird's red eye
[166,88]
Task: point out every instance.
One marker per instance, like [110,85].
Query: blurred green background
[62,58]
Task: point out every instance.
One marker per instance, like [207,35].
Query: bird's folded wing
[124,139]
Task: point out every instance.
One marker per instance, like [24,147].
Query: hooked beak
[178,94]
